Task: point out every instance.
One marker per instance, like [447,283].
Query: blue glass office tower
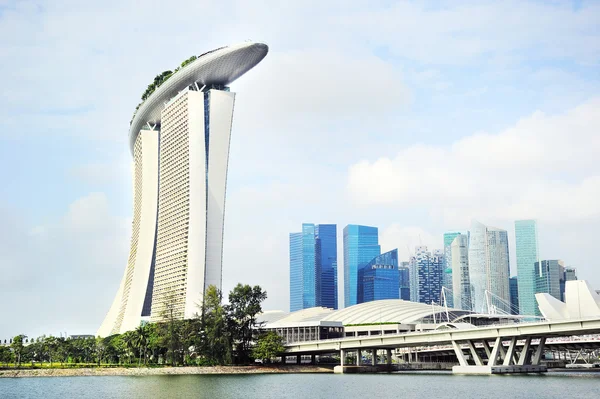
[379,279]
[361,245]
[404,280]
[527,255]
[514,295]
[550,279]
[313,267]
[326,241]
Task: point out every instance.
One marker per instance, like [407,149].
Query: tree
[268,346]
[170,327]
[6,355]
[99,349]
[245,303]
[17,347]
[141,341]
[215,342]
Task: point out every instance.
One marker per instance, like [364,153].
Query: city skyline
[477,127]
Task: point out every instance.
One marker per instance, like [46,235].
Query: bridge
[511,348]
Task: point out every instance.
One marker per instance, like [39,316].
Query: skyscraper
[461,283]
[489,268]
[550,279]
[326,236]
[179,138]
[379,279]
[361,245]
[514,295]
[448,280]
[404,280]
[429,274]
[527,255]
[305,269]
[313,265]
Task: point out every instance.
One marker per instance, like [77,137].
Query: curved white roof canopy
[218,67]
[375,312]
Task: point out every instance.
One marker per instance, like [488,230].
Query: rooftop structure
[219,67]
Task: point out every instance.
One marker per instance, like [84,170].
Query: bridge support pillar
[485,360]
[359,357]
[298,359]
[313,359]
[389,356]
[374,351]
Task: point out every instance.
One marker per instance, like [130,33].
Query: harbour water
[399,385]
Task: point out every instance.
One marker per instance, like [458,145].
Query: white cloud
[63,275]
[537,168]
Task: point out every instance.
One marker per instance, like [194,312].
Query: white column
[493,358]
[524,353]
[474,353]
[459,354]
[537,357]
[510,352]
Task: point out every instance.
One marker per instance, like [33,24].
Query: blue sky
[413,117]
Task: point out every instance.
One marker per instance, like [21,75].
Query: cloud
[62,275]
[543,167]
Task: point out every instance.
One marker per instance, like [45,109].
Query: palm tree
[129,341]
[141,341]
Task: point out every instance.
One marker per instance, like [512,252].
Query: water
[400,385]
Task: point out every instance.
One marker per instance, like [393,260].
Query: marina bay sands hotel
[179,139]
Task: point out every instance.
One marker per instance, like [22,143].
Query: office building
[313,265]
[179,138]
[326,240]
[489,268]
[379,279]
[527,255]
[404,280]
[361,245]
[514,295]
[461,283]
[550,279]
[429,274]
[447,279]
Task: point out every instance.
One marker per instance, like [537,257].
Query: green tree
[99,349]
[170,328]
[6,356]
[245,303]
[268,346]
[17,348]
[215,337]
[141,338]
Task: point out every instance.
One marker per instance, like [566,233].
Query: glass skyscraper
[313,267]
[550,279]
[404,280]
[514,295]
[361,245]
[459,261]
[448,280]
[489,267]
[379,279]
[527,255]
[429,273]
[326,241]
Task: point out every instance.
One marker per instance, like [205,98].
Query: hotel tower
[179,139]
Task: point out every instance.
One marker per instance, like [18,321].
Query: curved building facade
[179,139]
